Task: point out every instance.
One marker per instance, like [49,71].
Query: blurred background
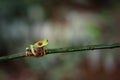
[64,23]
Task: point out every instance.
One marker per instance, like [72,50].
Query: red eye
[40,43]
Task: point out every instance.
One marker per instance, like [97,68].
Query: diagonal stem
[65,50]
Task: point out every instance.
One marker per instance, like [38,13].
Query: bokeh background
[64,23]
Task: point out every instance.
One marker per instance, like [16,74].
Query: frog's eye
[39,43]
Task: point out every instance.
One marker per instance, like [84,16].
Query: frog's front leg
[32,49]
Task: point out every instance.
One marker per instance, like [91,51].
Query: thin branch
[64,50]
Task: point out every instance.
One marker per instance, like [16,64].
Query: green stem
[64,50]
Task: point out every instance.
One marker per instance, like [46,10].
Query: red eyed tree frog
[37,49]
